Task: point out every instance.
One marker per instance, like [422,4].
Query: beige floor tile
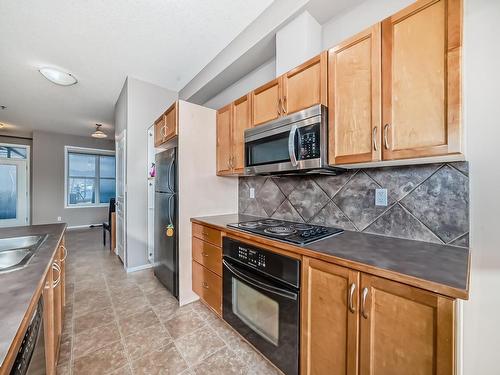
[93,319]
[183,323]
[63,369]
[221,362]
[123,295]
[160,296]
[93,304]
[95,338]
[131,306]
[137,322]
[101,361]
[167,310]
[164,361]
[203,311]
[198,345]
[65,349]
[142,342]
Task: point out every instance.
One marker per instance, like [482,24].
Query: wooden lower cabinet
[355,323]
[207,266]
[53,313]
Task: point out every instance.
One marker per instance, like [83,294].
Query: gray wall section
[48,179]
[425,202]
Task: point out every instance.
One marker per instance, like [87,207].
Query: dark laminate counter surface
[442,269]
[19,287]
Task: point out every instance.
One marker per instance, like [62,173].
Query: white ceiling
[166,42]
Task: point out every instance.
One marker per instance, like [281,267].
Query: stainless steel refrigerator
[166,254]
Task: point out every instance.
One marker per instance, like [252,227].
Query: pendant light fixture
[98,132]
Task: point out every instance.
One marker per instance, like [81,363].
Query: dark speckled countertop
[442,269]
[17,288]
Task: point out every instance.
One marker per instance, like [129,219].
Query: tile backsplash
[425,202]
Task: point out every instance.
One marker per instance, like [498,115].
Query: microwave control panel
[308,143]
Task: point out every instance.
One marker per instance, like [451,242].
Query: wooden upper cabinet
[421,48]
[404,330]
[354,101]
[159,131]
[329,343]
[306,85]
[267,104]
[241,121]
[224,124]
[171,123]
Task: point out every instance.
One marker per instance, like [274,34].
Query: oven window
[268,150]
[256,310]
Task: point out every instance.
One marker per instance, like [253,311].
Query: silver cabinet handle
[283,105]
[55,267]
[291,145]
[279,107]
[65,253]
[204,285]
[363,303]
[386,141]
[351,298]
[375,145]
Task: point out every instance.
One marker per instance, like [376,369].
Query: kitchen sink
[16,252]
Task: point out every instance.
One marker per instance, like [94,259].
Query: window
[90,177]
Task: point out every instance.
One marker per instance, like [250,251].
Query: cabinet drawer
[207,234]
[208,286]
[207,255]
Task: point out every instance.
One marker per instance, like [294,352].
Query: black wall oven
[261,300]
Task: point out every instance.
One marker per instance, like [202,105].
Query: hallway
[119,323]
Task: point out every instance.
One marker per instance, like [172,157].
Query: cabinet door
[241,121]
[171,124]
[224,121]
[404,330]
[421,80]
[159,131]
[48,322]
[266,102]
[306,85]
[330,319]
[355,106]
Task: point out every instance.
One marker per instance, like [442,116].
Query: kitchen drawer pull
[204,233]
[283,104]
[279,107]
[363,303]
[56,267]
[204,254]
[65,253]
[204,285]
[375,145]
[386,140]
[351,298]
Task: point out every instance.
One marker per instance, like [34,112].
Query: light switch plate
[59,218]
[380,197]
[252,193]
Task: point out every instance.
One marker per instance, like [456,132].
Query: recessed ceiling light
[58,77]
[98,132]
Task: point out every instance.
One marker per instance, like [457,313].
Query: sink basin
[16,252]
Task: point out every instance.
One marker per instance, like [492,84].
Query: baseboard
[139,268]
[83,226]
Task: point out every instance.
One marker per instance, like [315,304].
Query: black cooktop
[287,231]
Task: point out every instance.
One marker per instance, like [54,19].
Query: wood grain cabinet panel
[224,124]
[305,85]
[354,77]
[267,103]
[171,123]
[208,255]
[404,330]
[421,50]
[207,234]
[241,121]
[329,343]
[159,131]
[208,286]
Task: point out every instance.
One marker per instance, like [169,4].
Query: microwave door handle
[260,285]
[291,145]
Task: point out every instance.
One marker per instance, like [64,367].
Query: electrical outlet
[59,218]
[252,193]
[380,197]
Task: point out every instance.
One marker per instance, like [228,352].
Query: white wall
[482,113]
[296,42]
[145,102]
[255,78]
[359,18]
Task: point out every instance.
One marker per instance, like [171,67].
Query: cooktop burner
[297,233]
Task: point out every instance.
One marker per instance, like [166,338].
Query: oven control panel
[267,262]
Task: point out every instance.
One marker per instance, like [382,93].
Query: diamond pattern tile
[397,222]
[308,198]
[357,200]
[462,241]
[270,197]
[287,212]
[332,216]
[332,184]
[442,203]
[243,195]
[254,208]
[400,181]
[286,183]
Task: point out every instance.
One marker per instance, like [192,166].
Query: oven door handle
[291,145]
[268,288]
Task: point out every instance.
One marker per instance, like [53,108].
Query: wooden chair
[106,226]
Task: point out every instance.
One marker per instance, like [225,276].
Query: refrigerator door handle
[170,209]
[169,185]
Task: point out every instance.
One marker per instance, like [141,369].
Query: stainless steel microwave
[295,144]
